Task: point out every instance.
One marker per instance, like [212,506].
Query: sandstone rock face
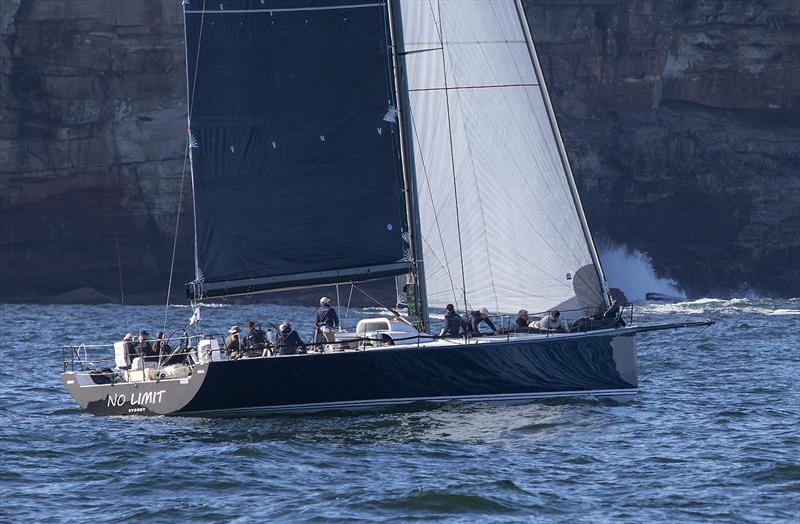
[680,116]
[92,142]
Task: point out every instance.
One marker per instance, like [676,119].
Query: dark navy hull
[597,364]
[513,370]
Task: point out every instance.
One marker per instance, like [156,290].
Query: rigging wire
[186,161]
[121,288]
[338,304]
[381,304]
[446,264]
[440,32]
[177,225]
[474,172]
[670,353]
[349,298]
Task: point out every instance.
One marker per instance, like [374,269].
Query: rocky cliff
[680,116]
[91,145]
[683,123]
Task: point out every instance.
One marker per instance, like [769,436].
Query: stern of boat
[104,394]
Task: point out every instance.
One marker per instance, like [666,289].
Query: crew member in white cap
[232,344]
[129,350]
[327,321]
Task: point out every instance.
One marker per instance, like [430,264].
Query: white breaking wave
[785,312]
[734,306]
[632,272]
[706,301]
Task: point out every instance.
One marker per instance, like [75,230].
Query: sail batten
[297,176]
[454,88]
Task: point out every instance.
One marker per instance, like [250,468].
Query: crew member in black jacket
[289,342]
[327,321]
[475,320]
[521,324]
[255,341]
[144,348]
[453,323]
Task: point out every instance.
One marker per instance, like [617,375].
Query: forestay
[295,158]
[486,158]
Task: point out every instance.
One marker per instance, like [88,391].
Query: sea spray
[632,272]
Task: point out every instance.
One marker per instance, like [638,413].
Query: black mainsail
[296,166]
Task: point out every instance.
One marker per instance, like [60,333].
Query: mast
[562,151]
[409,179]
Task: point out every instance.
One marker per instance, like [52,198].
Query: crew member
[289,342]
[453,323]
[553,323]
[521,324]
[130,349]
[256,340]
[161,348]
[327,320]
[476,318]
[144,348]
[232,344]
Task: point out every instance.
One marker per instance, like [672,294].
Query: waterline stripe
[361,404]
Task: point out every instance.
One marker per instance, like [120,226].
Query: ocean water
[713,436]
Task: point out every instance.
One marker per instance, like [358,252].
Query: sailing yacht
[341,141]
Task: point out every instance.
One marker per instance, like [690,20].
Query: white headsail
[495,194]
